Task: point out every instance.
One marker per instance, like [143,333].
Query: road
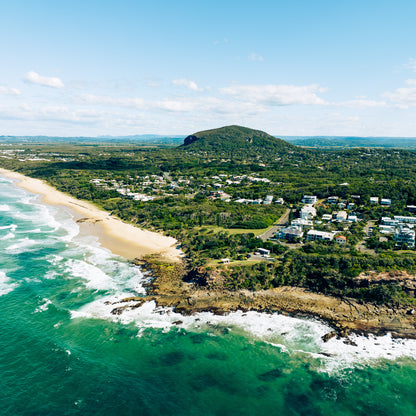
[276,227]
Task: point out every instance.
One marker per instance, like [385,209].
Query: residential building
[290,233]
[341,239]
[411,208]
[385,202]
[268,200]
[389,221]
[314,235]
[280,201]
[326,217]
[405,235]
[264,252]
[351,205]
[332,199]
[341,216]
[300,222]
[309,199]
[307,212]
[352,218]
[405,220]
[374,200]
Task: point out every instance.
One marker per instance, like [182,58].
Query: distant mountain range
[351,141]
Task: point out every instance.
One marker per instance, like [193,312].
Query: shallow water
[62,351]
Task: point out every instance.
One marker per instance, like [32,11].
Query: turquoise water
[62,351]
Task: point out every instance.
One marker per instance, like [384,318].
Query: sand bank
[121,238]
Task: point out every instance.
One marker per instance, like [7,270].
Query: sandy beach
[121,238]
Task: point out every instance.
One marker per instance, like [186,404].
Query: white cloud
[404,97]
[9,91]
[411,64]
[255,57]
[276,95]
[363,103]
[107,100]
[191,85]
[35,78]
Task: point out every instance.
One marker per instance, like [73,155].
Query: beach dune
[121,238]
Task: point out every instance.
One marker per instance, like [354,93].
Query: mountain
[236,139]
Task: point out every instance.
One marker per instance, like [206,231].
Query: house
[389,221]
[341,216]
[300,222]
[307,212]
[352,218]
[332,199]
[411,208]
[351,205]
[225,261]
[314,235]
[405,220]
[280,201]
[385,202]
[290,233]
[341,239]
[326,217]
[268,200]
[386,229]
[309,199]
[405,235]
[374,200]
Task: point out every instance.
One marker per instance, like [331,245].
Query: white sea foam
[12,227]
[4,207]
[44,307]
[24,244]
[8,236]
[6,285]
[291,335]
[93,276]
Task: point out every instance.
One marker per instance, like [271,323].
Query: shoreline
[119,237]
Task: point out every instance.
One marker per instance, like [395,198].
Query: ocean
[62,351]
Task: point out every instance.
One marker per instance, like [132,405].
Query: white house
[374,200]
[405,235]
[313,235]
[326,217]
[385,201]
[342,216]
[307,212]
[309,199]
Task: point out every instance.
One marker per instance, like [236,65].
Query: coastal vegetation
[210,194]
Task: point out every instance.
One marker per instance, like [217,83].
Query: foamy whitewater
[58,289]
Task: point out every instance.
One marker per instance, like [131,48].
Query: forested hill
[236,140]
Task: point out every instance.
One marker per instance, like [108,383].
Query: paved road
[276,227]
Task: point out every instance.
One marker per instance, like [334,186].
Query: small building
[350,205]
[341,239]
[356,196]
[374,200]
[225,261]
[314,235]
[264,251]
[280,201]
[290,233]
[411,208]
[307,212]
[268,200]
[352,218]
[385,202]
[332,199]
[386,229]
[300,222]
[341,216]
[405,220]
[327,217]
[309,199]
[405,235]
[389,221]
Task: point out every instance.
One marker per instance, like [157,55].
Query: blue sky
[175,67]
